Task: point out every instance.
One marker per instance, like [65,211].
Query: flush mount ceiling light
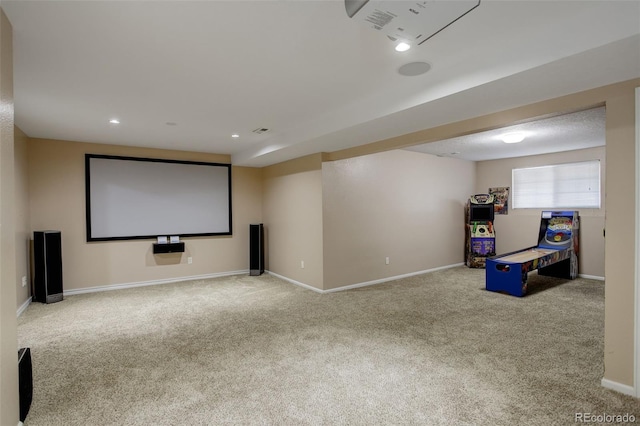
[514,137]
[402,47]
[114,121]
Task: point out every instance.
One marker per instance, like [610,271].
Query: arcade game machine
[556,255]
[479,234]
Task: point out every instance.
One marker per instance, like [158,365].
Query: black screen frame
[90,238]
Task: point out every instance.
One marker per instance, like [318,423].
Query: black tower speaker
[47,256]
[256,249]
[25,381]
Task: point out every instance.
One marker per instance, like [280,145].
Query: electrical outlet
[189,260]
[24,281]
[386,260]
[302,264]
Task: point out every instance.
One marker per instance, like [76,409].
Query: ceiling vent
[260,130]
[412,22]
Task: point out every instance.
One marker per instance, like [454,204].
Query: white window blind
[560,185]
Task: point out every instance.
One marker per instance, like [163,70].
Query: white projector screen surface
[134,198]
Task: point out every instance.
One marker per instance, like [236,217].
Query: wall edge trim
[393,278]
[591,277]
[365,283]
[636,267]
[618,387]
[151,282]
[298,283]
[24,306]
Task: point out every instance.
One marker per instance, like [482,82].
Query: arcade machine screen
[481,213]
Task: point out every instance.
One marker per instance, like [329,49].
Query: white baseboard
[366,283]
[152,282]
[298,283]
[24,306]
[591,277]
[619,387]
[395,277]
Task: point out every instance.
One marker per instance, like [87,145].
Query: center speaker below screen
[256,249]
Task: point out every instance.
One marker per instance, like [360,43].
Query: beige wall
[519,229]
[8,323]
[404,205]
[23,229]
[292,211]
[57,201]
[620,255]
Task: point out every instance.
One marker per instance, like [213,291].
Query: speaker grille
[256,249]
[47,253]
[25,381]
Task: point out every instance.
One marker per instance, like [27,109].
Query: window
[560,185]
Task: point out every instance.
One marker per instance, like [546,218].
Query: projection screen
[137,198]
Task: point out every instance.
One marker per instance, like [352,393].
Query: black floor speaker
[25,381]
[256,249]
[47,259]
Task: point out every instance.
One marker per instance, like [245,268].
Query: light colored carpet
[435,349]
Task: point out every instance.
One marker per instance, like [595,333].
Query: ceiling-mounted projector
[412,22]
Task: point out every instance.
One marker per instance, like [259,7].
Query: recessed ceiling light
[512,137]
[114,121]
[235,135]
[402,47]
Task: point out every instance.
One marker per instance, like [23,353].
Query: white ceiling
[317,79]
[566,132]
